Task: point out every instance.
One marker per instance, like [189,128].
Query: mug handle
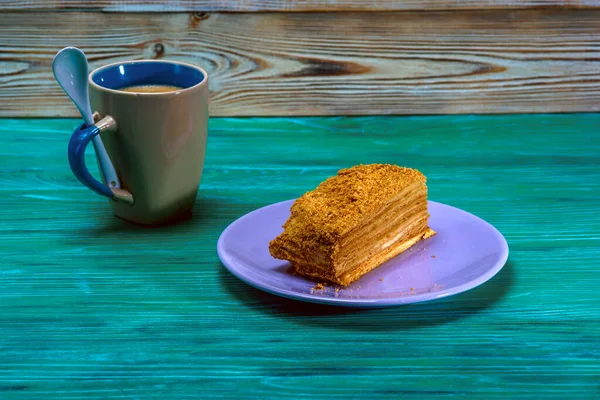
[77,145]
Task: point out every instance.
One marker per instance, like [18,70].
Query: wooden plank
[93,308]
[326,63]
[286,5]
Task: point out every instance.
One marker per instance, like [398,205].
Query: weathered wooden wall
[286,5]
[391,57]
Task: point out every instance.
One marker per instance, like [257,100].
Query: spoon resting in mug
[70,68]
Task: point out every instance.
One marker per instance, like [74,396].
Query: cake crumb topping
[339,202]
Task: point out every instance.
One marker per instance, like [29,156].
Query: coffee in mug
[151,89]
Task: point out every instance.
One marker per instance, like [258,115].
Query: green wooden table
[91,307]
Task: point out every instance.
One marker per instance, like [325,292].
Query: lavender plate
[466,252]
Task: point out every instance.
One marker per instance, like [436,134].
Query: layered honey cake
[354,222]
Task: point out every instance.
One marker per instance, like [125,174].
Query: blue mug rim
[181,91]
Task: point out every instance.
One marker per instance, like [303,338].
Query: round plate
[465,252]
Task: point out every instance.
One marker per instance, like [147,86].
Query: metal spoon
[70,68]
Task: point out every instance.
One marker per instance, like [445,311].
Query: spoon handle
[108,171]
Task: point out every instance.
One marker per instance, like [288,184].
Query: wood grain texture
[95,308]
[326,63]
[285,5]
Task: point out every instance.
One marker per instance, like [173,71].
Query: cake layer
[347,259]
[412,200]
[399,246]
[373,242]
[299,246]
[352,262]
[340,203]
[390,252]
[354,222]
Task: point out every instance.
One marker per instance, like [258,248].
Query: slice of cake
[353,222]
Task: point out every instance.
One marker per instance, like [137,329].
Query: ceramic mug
[155,141]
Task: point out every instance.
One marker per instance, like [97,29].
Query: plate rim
[361,302]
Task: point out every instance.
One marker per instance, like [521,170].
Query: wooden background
[301,58]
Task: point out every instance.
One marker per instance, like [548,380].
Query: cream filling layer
[403,217]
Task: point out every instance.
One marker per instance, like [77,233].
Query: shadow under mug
[156,142]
